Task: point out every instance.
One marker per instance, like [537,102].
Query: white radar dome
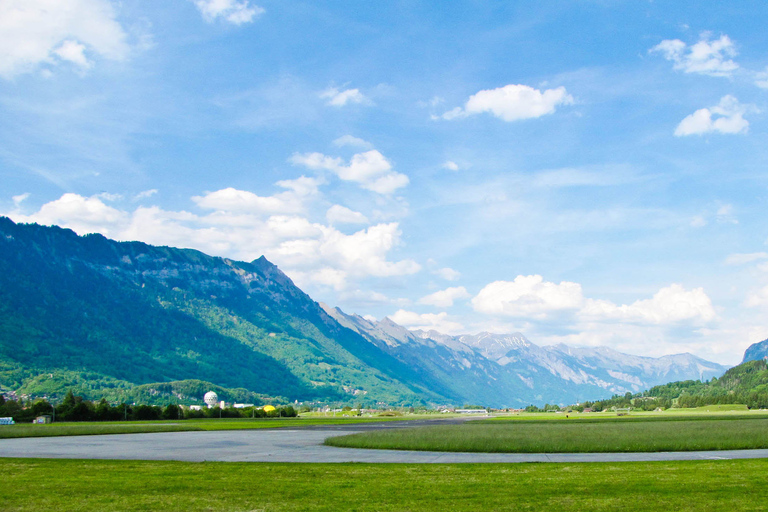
[211,399]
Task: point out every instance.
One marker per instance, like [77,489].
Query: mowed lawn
[76,485]
[575,435]
[134,427]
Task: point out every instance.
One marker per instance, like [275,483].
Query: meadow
[134,427]
[44,484]
[556,434]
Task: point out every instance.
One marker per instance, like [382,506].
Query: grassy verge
[81,429]
[132,427]
[85,486]
[617,435]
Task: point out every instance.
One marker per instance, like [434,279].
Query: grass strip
[83,429]
[132,427]
[568,437]
[77,485]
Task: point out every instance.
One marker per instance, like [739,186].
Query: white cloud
[338,98]
[338,214]
[705,57]
[17,200]
[744,258]
[73,52]
[513,103]
[243,226]
[145,194]
[726,117]
[532,297]
[725,215]
[451,165]
[242,201]
[669,305]
[82,214]
[349,140]
[698,221]
[438,321]
[757,299]
[761,79]
[363,252]
[233,11]
[527,296]
[445,298]
[370,169]
[49,32]
[447,273]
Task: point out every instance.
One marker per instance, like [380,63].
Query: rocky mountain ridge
[509,369]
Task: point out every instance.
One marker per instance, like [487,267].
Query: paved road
[296,445]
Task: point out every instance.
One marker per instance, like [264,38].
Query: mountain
[124,319]
[510,370]
[756,351]
[131,312]
[746,384]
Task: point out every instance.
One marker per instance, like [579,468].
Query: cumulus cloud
[81,214]
[445,298]
[338,214]
[727,117]
[233,200]
[242,225]
[533,298]
[438,321]
[338,98]
[232,11]
[669,305]
[48,33]
[512,103]
[370,169]
[527,296]
[704,57]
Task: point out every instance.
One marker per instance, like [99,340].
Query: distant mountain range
[102,316]
[508,369]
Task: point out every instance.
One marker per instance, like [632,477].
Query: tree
[172,412]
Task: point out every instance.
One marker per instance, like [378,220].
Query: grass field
[132,427]
[85,486]
[630,434]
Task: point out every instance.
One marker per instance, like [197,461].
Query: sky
[584,172]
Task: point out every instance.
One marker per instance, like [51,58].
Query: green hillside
[744,384]
[125,314]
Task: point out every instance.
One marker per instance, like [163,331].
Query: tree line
[76,408]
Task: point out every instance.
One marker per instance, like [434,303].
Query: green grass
[81,429]
[593,435]
[84,486]
[133,427]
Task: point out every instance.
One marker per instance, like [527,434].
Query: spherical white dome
[211,398]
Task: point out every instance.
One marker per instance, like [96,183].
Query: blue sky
[589,173]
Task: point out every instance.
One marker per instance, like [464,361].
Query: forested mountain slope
[138,313]
[746,383]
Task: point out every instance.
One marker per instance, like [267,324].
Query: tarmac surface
[298,445]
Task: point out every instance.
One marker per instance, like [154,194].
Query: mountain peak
[756,351]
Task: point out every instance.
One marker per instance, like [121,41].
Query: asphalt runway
[297,445]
